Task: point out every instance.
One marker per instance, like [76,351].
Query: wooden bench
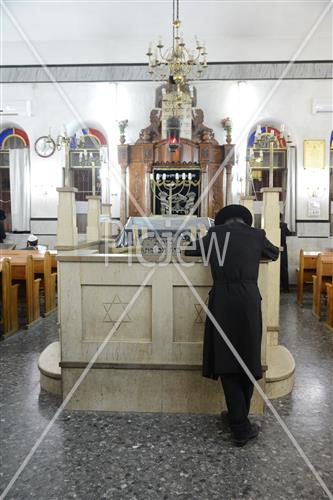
[50,282]
[23,270]
[329,315]
[44,265]
[307,267]
[324,275]
[7,246]
[9,299]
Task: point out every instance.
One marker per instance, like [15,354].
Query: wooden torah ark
[138,161]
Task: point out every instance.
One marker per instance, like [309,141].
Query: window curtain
[290,206]
[19,168]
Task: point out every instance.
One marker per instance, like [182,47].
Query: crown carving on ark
[152,133]
[200,131]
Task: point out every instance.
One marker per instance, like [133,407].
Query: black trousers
[238,391]
[284,278]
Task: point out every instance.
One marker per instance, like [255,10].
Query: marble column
[66,226]
[123,158]
[270,221]
[203,191]
[228,192]
[148,170]
[106,221]
[93,218]
[106,209]
[123,195]
[248,202]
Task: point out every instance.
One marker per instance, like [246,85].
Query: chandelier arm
[173,25]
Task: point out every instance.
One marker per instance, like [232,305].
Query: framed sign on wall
[314,153]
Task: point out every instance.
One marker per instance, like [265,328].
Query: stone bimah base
[152,362]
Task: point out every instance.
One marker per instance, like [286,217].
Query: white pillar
[123,195]
[106,221]
[204,191]
[148,193]
[248,202]
[93,218]
[66,225]
[270,221]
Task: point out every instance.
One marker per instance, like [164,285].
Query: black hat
[231,211]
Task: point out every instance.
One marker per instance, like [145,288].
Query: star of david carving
[200,313]
[113,311]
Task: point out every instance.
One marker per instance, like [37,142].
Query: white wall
[101,104]
[119,31]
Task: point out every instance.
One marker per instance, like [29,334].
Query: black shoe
[225,418]
[253,433]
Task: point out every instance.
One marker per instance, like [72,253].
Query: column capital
[271,190]
[67,190]
[247,197]
[93,197]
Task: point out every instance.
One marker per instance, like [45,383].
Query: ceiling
[119,31]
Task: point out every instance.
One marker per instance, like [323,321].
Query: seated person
[2,229]
[32,243]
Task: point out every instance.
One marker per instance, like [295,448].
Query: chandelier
[177,62]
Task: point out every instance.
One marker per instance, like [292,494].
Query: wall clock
[45,146]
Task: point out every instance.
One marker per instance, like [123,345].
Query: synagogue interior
[131,133]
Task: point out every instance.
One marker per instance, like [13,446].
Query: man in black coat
[235,303]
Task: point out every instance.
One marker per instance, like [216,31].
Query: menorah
[173,191]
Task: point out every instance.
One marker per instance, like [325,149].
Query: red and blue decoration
[13,132]
[91,132]
[268,131]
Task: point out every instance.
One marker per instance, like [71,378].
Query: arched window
[86,155]
[10,138]
[266,158]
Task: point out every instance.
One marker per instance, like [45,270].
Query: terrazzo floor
[148,456]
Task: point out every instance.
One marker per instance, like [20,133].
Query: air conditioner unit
[16,108]
[322,106]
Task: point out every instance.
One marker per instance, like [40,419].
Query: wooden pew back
[307,267]
[329,315]
[23,270]
[324,274]
[9,299]
[43,265]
